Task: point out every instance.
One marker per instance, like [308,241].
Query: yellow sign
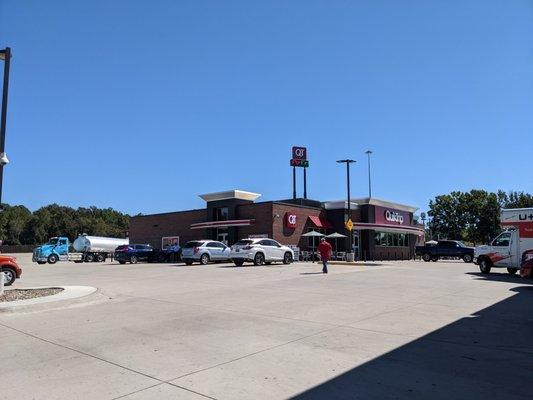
[349,224]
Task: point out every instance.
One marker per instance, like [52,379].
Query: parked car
[526,266]
[10,269]
[445,248]
[133,253]
[204,251]
[260,251]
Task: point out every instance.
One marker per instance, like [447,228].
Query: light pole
[368,152]
[349,253]
[6,56]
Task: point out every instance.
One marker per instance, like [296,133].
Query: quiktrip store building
[382,230]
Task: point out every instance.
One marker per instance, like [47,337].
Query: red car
[10,269]
[526,268]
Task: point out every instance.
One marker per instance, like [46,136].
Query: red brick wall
[151,228]
[288,236]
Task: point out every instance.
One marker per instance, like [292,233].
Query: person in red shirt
[324,248]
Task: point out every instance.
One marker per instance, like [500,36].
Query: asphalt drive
[398,330]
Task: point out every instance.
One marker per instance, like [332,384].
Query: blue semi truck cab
[56,249]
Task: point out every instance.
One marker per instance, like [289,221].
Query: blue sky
[142,105]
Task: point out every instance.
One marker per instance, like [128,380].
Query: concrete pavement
[166,331]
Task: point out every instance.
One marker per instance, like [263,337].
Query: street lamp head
[368,152]
[5,53]
[3,159]
[346,161]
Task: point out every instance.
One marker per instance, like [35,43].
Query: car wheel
[100,258]
[238,263]
[485,265]
[512,271]
[434,258]
[188,262]
[52,258]
[204,259]
[259,259]
[41,262]
[9,276]
[287,258]
[122,262]
[134,260]
[89,257]
[467,258]
[426,257]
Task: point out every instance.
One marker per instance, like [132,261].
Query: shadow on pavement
[311,273]
[488,355]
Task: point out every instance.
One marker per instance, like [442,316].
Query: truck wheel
[89,257]
[485,265]
[52,258]
[426,257]
[100,258]
[467,258]
[435,258]
[512,271]
[204,260]
[41,262]
[287,258]
[9,276]
[239,263]
[134,260]
[122,262]
[259,259]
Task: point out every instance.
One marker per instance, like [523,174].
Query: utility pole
[349,253]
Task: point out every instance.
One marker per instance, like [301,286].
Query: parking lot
[402,330]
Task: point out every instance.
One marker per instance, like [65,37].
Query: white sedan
[260,251]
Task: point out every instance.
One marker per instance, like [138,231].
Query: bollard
[2,278]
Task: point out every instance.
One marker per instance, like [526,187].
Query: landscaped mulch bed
[24,294]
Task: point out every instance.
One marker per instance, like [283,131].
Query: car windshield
[461,244]
[123,247]
[192,244]
[244,242]
[53,241]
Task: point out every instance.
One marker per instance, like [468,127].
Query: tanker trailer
[97,248]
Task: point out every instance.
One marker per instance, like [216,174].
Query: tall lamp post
[368,152]
[5,55]
[349,253]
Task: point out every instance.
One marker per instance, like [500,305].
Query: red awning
[320,222]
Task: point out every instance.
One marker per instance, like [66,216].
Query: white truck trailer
[507,249]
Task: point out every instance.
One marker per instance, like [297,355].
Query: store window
[392,239]
[221,214]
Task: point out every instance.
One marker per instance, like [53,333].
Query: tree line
[18,225]
[472,216]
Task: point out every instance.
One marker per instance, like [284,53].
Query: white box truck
[507,249]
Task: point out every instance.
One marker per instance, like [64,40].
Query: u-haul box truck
[507,249]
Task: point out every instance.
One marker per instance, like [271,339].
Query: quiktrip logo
[393,216]
[290,220]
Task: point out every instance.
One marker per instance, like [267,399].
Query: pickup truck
[445,248]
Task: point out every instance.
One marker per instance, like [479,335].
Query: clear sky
[142,105]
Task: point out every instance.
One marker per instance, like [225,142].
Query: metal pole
[349,210]
[368,152]
[7,59]
[294,183]
[305,183]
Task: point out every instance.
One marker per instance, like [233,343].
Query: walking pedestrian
[324,248]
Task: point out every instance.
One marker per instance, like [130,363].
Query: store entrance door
[222,236]
[356,245]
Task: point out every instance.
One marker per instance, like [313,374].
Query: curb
[69,295]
